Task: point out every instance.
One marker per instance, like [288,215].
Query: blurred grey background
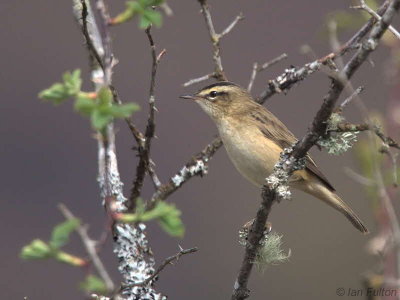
[48,154]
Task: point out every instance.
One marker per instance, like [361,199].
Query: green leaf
[93,284]
[73,82]
[149,17]
[56,94]
[132,8]
[37,249]
[104,96]
[84,105]
[60,92]
[172,223]
[61,233]
[101,118]
[124,110]
[169,218]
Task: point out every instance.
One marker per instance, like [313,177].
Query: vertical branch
[136,262]
[215,39]
[253,244]
[144,152]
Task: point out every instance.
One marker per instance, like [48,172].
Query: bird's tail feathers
[333,200]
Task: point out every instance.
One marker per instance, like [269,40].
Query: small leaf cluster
[98,107]
[38,249]
[144,10]
[167,215]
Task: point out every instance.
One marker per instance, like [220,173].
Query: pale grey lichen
[337,142]
[136,262]
[271,252]
[279,178]
[198,168]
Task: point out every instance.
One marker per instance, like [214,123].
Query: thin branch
[216,38]
[273,62]
[393,159]
[252,77]
[369,10]
[167,9]
[92,48]
[90,247]
[349,127]
[232,25]
[96,51]
[265,66]
[292,76]
[199,79]
[196,166]
[357,92]
[168,261]
[144,152]
[289,162]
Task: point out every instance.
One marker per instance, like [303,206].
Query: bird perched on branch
[254,138]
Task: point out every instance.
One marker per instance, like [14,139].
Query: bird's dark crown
[218,84]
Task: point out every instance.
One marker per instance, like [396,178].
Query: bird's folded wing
[273,129]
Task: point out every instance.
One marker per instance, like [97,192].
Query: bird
[254,138]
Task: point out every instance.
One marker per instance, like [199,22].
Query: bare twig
[357,92]
[168,261]
[265,66]
[252,77]
[231,26]
[196,166]
[358,177]
[199,79]
[144,152]
[393,158]
[90,246]
[317,129]
[272,62]
[167,9]
[294,75]
[369,10]
[216,38]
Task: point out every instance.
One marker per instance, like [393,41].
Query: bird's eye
[213,94]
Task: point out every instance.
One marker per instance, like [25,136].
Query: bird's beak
[190,97]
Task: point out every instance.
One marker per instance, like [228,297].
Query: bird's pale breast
[250,151]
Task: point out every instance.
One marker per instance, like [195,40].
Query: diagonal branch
[292,76]
[257,69]
[90,246]
[283,82]
[168,261]
[317,129]
[363,5]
